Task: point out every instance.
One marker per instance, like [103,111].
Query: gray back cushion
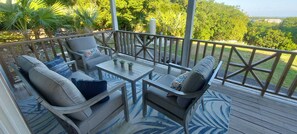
[58,90]
[82,43]
[196,78]
[27,62]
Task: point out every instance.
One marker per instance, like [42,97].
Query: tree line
[272,35]
[213,21]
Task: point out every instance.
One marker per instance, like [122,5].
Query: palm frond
[58,8]
[36,4]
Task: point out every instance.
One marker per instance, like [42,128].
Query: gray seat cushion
[58,90]
[79,75]
[101,111]
[159,97]
[82,43]
[91,63]
[196,78]
[27,62]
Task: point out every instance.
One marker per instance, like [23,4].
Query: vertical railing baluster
[197,52]
[170,50]
[277,57]
[135,45]
[34,50]
[189,54]
[292,87]
[124,43]
[104,42]
[213,49]
[155,49]
[62,49]
[165,47]
[45,52]
[176,50]
[284,74]
[131,43]
[144,48]
[116,41]
[160,45]
[120,42]
[127,43]
[227,67]
[205,48]
[222,52]
[220,57]
[182,51]
[53,48]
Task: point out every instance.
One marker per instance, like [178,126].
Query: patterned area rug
[214,119]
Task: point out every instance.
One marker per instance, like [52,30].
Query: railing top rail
[212,42]
[49,39]
[158,35]
[247,46]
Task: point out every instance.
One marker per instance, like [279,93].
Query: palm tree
[85,18]
[49,18]
[31,14]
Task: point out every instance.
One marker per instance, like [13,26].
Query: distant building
[273,20]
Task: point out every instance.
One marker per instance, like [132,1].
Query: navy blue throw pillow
[91,88]
[59,66]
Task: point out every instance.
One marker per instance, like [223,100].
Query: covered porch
[250,112]
[259,105]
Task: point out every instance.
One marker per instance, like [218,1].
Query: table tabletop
[138,71]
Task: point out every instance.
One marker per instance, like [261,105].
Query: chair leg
[38,106]
[186,128]
[144,110]
[125,101]
[202,103]
[144,105]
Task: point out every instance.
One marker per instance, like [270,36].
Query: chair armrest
[169,89]
[90,102]
[103,47]
[178,67]
[73,52]
[72,62]
[109,49]
[76,53]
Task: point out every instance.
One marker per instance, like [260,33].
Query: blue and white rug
[213,120]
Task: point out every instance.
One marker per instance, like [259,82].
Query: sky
[265,8]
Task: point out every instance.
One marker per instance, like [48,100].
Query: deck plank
[251,113]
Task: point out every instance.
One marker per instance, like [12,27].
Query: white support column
[114,15]
[189,30]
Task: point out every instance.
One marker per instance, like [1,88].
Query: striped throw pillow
[59,66]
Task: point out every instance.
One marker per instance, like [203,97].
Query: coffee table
[138,71]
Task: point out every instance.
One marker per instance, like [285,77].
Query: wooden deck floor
[253,114]
[250,113]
